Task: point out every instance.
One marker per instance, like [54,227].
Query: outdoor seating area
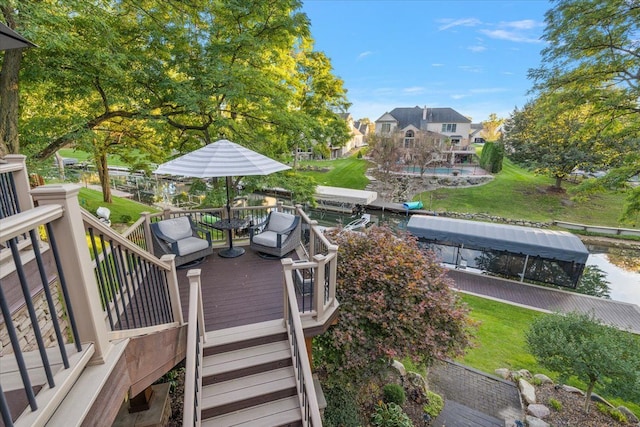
[180,237]
[278,235]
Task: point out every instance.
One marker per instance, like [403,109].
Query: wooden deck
[237,291]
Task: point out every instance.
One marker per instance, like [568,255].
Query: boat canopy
[345,195]
[536,242]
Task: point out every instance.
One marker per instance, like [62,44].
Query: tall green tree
[579,345]
[491,127]
[549,136]
[160,77]
[592,56]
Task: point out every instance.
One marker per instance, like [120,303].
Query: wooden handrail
[306,392]
[195,340]
[20,223]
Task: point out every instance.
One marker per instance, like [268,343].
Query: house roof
[548,244]
[414,116]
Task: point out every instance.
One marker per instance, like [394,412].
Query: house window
[408,139]
[386,127]
[448,127]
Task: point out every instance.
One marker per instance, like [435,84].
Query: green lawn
[500,341]
[83,156]
[518,194]
[346,172]
[122,210]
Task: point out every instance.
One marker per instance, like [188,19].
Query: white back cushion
[175,228]
[280,221]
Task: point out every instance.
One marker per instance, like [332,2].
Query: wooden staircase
[248,378]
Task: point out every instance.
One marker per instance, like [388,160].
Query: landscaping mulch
[571,414]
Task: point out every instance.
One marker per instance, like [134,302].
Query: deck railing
[136,289]
[195,346]
[31,223]
[304,380]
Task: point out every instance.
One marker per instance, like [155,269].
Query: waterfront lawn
[500,342]
[122,210]
[348,172]
[518,194]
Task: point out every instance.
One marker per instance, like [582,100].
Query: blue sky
[472,56]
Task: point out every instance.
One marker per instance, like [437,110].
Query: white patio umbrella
[222,158]
[9,39]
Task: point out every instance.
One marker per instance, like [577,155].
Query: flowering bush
[395,302]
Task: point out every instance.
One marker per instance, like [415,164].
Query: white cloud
[364,54]
[464,22]
[437,65]
[471,68]
[413,89]
[525,24]
[510,36]
[458,96]
[477,48]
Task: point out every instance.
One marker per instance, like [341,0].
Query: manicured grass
[347,172]
[122,210]
[83,156]
[500,341]
[518,194]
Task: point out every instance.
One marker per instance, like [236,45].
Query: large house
[445,129]
[445,121]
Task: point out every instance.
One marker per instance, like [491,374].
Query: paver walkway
[619,314]
[473,398]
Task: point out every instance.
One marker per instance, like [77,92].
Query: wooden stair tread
[73,409]
[239,359]
[10,374]
[248,387]
[244,333]
[270,414]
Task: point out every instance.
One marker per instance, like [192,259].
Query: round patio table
[230,225]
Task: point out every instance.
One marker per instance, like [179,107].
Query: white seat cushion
[269,239]
[190,245]
[176,228]
[280,221]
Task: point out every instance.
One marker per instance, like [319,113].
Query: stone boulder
[543,379]
[523,373]
[536,422]
[399,367]
[570,389]
[503,373]
[527,390]
[416,387]
[631,417]
[538,411]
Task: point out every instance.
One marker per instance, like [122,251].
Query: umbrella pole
[228,200]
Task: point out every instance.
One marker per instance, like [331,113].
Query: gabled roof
[445,115]
[414,116]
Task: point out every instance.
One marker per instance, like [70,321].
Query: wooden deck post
[76,261]
[17,164]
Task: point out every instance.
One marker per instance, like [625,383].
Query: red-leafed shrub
[395,302]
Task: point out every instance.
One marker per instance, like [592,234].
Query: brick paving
[616,313]
[473,398]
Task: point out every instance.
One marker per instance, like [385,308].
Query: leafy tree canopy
[592,57]
[580,345]
[168,76]
[395,302]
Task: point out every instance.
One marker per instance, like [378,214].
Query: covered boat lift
[525,253]
[343,199]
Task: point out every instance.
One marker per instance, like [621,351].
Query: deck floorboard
[237,291]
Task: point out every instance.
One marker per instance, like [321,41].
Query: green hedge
[491,157]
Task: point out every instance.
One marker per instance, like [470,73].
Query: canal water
[621,266]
